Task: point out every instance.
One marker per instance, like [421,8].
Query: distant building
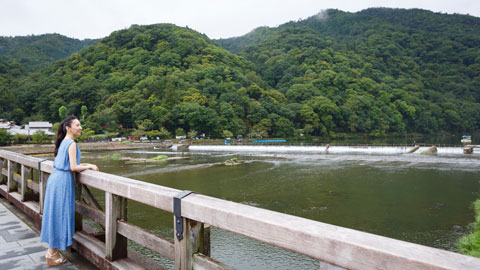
[5,124]
[31,128]
[35,126]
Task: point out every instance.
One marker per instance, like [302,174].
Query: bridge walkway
[20,247]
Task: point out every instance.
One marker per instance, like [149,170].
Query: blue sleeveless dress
[58,221]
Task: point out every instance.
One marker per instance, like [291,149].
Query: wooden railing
[334,245]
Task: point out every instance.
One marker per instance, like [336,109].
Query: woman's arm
[72,155]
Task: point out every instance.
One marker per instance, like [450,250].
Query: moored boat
[466,139]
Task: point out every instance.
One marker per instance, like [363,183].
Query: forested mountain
[24,54]
[35,52]
[153,77]
[377,72]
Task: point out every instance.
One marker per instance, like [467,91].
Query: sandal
[55,258]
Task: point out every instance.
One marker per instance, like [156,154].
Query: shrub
[19,139]
[470,244]
[4,137]
[40,137]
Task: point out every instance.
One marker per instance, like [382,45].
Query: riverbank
[31,149]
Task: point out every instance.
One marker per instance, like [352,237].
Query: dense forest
[377,72]
[385,70]
[36,52]
[20,56]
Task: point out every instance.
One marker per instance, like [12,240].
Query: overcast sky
[215,18]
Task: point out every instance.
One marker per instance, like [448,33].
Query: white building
[36,126]
[5,124]
[31,128]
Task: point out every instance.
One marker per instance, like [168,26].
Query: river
[424,199]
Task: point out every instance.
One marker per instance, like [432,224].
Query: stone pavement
[20,247]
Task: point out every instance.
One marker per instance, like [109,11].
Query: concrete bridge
[24,181]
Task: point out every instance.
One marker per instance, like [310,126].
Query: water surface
[382,190]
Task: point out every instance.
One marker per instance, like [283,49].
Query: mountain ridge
[350,73]
[37,51]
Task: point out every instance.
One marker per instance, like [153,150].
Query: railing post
[23,185]
[2,165]
[194,241]
[26,193]
[10,181]
[42,186]
[78,196]
[9,174]
[115,244]
[206,240]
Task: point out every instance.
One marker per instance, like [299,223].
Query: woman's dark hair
[62,131]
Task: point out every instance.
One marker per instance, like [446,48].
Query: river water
[424,199]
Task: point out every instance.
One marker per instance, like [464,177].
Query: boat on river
[466,139]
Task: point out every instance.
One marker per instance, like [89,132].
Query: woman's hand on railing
[93,167]
[90,166]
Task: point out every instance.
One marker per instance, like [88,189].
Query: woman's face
[75,128]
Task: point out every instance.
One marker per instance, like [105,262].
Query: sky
[216,18]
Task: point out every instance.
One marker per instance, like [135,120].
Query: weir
[367,149]
[329,244]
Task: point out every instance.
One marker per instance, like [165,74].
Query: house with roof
[5,124]
[31,128]
[37,126]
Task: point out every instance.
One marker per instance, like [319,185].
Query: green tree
[227,134]
[194,116]
[86,133]
[262,129]
[192,134]
[145,125]
[62,112]
[179,132]
[84,112]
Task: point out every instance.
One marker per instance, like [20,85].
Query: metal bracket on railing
[177,211]
[39,168]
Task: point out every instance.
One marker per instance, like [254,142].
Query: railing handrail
[336,245]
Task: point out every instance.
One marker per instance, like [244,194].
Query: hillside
[148,77]
[377,72]
[386,70]
[35,52]
[22,55]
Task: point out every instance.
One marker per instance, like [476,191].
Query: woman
[58,222]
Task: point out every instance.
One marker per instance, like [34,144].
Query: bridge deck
[20,246]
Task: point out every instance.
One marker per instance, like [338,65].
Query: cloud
[322,15]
